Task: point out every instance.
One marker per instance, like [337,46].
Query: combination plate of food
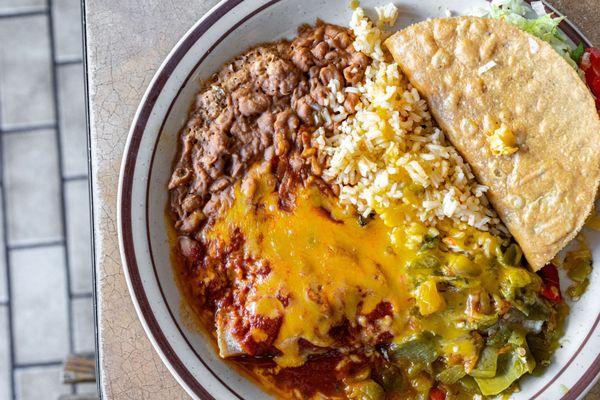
[394,203]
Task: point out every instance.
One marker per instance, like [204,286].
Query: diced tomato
[590,65]
[594,84]
[593,57]
[437,394]
[550,283]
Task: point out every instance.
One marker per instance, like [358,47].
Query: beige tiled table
[126,41]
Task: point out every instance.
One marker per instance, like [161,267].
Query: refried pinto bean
[252,102]
[330,72]
[320,50]
[302,58]
[263,105]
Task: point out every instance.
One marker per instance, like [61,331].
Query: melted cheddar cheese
[331,269]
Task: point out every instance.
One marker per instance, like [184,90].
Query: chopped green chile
[499,336]
[512,255]
[579,266]
[391,379]
[486,364]
[468,384]
[451,374]
[460,265]
[421,350]
[364,390]
[482,321]
[430,242]
[576,291]
[540,348]
[422,383]
[425,260]
[511,365]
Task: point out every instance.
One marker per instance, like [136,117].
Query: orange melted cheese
[331,269]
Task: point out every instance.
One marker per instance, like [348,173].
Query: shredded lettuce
[536,22]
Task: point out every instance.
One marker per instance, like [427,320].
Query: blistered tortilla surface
[476,73]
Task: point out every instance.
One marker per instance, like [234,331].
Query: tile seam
[62,199]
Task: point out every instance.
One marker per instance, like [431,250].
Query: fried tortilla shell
[483,76]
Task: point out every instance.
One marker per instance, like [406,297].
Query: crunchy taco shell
[520,116]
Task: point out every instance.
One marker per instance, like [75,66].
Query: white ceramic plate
[228,29]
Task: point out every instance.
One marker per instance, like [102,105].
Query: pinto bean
[313,72]
[330,72]
[360,59]
[351,102]
[219,185]
[303,41]
[265,123]
[191,202]
[286,124]
[304,110]
[342,40]
[353,74]
[302,58]
[191,223]
[319,94]
[332,31]
[315,166]
[279,78]
[320,50]
[305,136]
[319,33]
[200,182]
[225,119]
[253,103]
[180,177]
[281,144]
[331,56]
[286,121]
[190,249]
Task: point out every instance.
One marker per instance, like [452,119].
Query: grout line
[22,129]
[75,178]
[70,61]
[38,245]
[11,334]
[38,364]
[9,305]
[69,304]
[22,14]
